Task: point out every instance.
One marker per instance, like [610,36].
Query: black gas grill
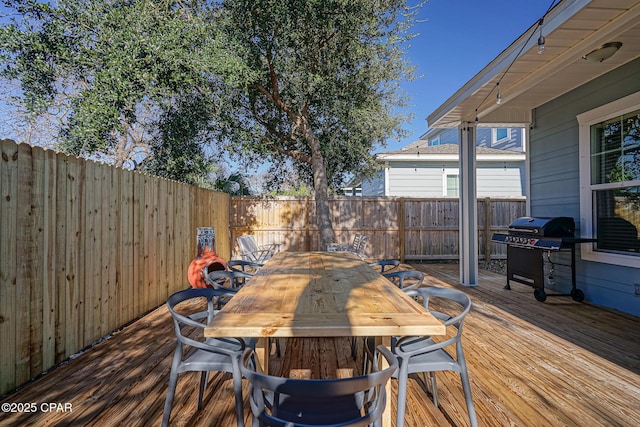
[527,241]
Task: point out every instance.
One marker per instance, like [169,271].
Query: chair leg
[173,381]
[278,350]
[354,348]
[403,378]
[204,378]
[365,363]
[466,387]
[237,391]
[434,388]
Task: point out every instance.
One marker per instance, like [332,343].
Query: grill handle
[523,230]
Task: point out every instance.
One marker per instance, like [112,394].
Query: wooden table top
[321,294]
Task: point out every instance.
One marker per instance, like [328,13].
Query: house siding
[483,138]
[555,180]
[425,179]
[414,179]
[498,180]
[448,136]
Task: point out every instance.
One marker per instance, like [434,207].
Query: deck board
[530,363]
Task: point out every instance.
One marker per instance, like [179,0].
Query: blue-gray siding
[425,179]
[483,138]
[555,179]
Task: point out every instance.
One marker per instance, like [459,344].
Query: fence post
[401,226]
[307,226]
[487,229]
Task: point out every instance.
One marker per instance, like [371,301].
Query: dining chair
[209,354]
[385,264]
[250,251]
[286,402]
[406,279]
[360,242]
[226,280]
[244,266]
[423,354]
[247,267]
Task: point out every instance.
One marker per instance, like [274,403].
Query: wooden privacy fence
[405,228]
[86,248]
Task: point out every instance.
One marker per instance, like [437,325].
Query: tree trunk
[321,188]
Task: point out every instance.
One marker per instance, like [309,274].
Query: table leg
[386,415]
[262,352]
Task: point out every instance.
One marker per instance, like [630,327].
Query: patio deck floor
[558,363]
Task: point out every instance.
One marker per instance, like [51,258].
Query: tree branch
[294,154]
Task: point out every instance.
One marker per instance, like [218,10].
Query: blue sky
[457,39]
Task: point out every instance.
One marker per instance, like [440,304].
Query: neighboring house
[502,138]
[419,170]
[580,100]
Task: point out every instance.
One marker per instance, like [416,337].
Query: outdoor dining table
[321,294]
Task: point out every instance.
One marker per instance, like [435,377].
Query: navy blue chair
[246,267]
[346,402]
[385,265]
[226,280]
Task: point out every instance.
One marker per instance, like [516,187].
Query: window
[610,177]
[435,141]
[451,182]
[500,135]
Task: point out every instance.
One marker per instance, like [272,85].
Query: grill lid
[562,226]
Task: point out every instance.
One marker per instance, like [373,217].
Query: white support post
[468,206]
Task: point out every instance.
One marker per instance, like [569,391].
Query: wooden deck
[558,363]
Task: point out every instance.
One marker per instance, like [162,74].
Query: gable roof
[527,80]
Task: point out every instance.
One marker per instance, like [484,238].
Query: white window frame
[445,173]
[585,121]
[435,141]
[494,135]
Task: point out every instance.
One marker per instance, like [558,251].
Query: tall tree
[325,87]
[139,79]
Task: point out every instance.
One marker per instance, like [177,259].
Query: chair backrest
[226,280]
[189,317]
[385,264]
[244,266]
[361,246]
[451,314]
[247,267]
[356,241]
[355,401]
[247,244]
[406,279]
